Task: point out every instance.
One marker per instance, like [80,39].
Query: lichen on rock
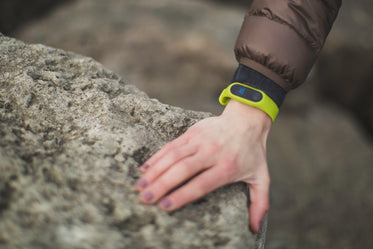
[72,135]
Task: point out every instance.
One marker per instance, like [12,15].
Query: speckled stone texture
[72,135]
[319,156]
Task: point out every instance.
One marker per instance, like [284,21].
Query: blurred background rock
[320,149]
[15,13]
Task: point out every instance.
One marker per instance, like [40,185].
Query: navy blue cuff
[257,80]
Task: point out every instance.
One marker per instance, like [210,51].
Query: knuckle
[169,146]
[194,130]
[186,167]
[162,186]
[180,141]
[174,154]
[212,149]
[199,190]
[153,174]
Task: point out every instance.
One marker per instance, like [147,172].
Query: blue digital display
[246,93]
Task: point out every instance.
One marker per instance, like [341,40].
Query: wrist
[247,114]
[249,96]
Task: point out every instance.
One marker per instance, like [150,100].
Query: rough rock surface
[320,159]
[72,135]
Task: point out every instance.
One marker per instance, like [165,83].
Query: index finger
[178,142]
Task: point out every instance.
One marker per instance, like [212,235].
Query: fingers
[173,177]
[175,144]
[164,163]
[199,186]
[259,204]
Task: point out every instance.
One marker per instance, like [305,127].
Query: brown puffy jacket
[282,38]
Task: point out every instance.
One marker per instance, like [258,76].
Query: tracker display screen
[246,93]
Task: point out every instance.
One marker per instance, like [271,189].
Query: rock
[72,135]
[15,13]
[319,156]
[345,66]
[321,167]
[194,50]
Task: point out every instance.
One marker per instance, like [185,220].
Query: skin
[212,153]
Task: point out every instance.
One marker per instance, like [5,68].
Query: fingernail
[142,183]
[145,166]
[148,196]
[166,203]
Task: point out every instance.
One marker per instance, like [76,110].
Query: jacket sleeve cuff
[274,50]
[253,78]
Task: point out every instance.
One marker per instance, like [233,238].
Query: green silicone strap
[266,104]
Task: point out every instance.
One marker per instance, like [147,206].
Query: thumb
[259,205]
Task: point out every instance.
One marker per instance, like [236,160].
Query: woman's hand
[214,152]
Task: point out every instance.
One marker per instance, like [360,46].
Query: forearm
[282,39]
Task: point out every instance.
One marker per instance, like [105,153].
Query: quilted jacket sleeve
[281,39]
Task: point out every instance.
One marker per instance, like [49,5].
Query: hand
[214,152]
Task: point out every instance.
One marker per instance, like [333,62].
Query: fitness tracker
[250,96]
[250,77]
